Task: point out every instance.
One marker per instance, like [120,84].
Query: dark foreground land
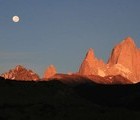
[54,100]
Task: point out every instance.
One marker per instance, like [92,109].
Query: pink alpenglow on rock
[50,72]
[21,73]
[91,65]
[124,60]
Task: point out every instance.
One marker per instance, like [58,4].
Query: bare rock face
[50,72]
[124,53]
[20,73]
[91,65]
[124,61]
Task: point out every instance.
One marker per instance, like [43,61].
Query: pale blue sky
[60,32]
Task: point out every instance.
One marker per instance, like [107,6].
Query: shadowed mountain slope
[54,100]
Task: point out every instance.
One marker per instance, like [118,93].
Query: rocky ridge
[20,73]
[123,67]
[91,65]
[124,61]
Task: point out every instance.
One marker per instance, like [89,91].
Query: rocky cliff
[91,65]
[124,60]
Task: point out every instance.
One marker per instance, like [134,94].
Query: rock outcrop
[124,61]
[91,65]
[50,72]
[20,73]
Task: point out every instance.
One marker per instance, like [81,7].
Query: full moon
[15,18]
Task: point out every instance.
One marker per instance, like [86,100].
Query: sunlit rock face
[50,72]
[80,79]
[91,65]
[111,79]
[20,73]
[124,60]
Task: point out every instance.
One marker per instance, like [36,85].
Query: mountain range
[123,67]
[97,91]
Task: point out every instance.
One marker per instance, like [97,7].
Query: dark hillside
[54,100]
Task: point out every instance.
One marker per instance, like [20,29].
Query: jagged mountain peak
[91,65]
[20,73]
[124,60]
[49,72]
[128,41]
[19,67]
[122,51]
[126,55]
[90,55]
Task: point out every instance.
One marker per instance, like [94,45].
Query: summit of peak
[90,50]
[128,41]
[124,60]
[51,66]
[123,51]
[91,64]
[90,54]
[20,73]
[128,38]
[19,66]
[50,72]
